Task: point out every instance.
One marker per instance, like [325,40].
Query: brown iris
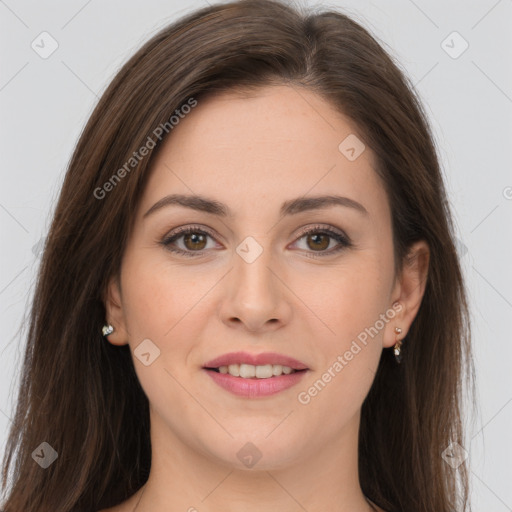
[195,240]
[318,244]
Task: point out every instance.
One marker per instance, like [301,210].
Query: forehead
[277,141]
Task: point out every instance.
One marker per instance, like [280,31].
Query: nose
[256,298]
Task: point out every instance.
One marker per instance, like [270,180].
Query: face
[308,284]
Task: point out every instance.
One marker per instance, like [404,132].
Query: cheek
[348,298]
[351,305]
[349,351]
[157,295]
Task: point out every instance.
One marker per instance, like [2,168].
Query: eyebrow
[290,207]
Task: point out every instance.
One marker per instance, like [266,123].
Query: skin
[278,144]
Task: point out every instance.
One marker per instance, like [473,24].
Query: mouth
[255,375]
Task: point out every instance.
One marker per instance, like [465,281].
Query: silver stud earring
[398,346]
[107,329]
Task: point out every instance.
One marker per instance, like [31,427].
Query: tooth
[277,369]
[247,371]
[234,369]
[264,372]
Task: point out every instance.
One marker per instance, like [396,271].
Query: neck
[183,478]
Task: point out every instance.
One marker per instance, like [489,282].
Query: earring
[398,346]
[107,329]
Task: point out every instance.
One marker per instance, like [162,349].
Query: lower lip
[253,388]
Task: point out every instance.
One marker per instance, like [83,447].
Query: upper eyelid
[320,227]
[180,230]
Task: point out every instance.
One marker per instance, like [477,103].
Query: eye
[194,240]
[318,239]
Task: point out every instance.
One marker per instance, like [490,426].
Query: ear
[115,313]
[408,291]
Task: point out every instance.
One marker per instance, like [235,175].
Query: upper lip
[255,359]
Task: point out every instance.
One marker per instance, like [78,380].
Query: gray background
[45,102]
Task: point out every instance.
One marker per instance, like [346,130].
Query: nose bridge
[252,261]
[256,294]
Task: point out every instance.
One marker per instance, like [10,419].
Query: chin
[258,452]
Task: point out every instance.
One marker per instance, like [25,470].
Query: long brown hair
[69,394]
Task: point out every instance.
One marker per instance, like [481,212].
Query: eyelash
[342,239]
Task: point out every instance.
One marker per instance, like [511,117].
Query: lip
[254,388]
[256,360]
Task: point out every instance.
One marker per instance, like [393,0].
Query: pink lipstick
[255,375]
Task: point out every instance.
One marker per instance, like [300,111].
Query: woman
[192,350]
